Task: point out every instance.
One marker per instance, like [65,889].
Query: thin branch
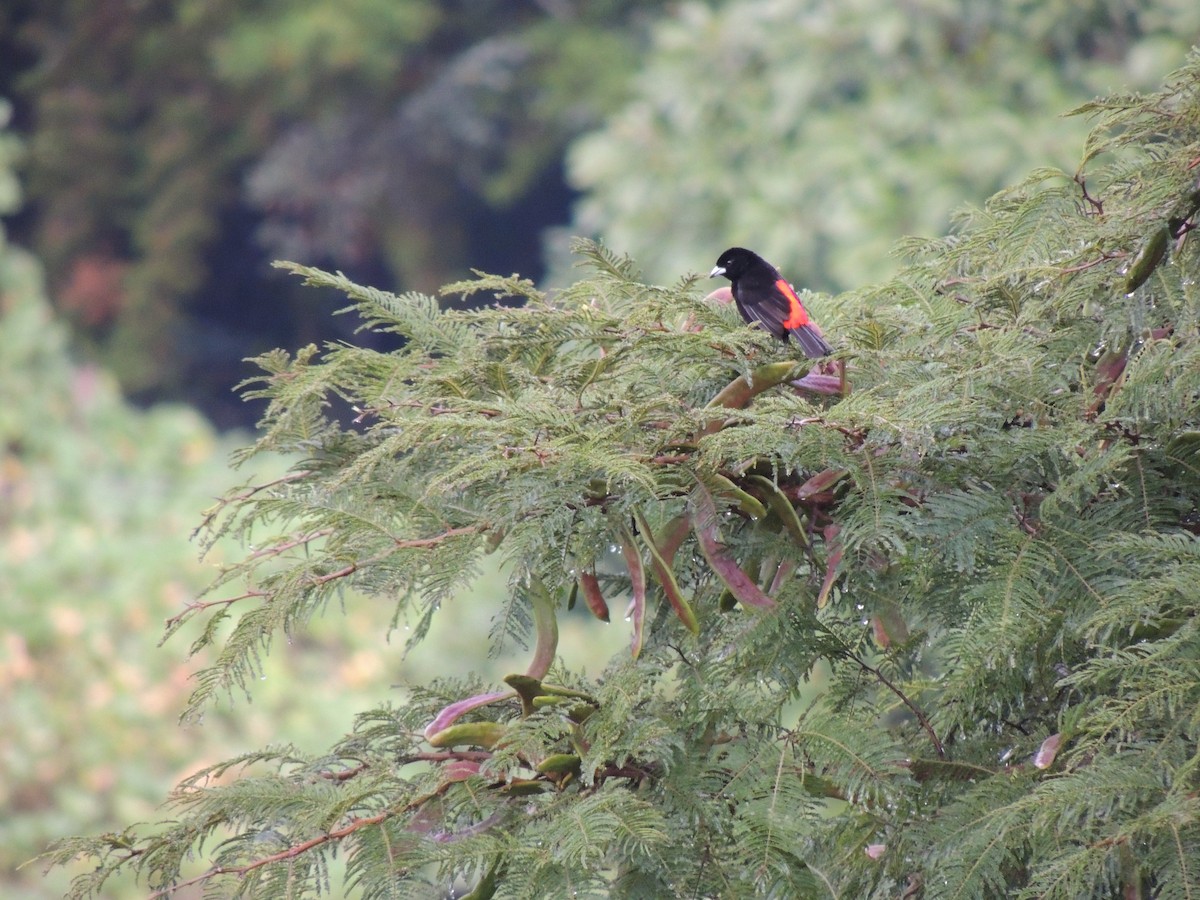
[317,580]
[448,756]
[276,549]
[913,708]
[346,774]
[201,605]
[437,539]
[1102,258]
[1097,205]
[303,847]
[349,569]
[244,495]
[399,544]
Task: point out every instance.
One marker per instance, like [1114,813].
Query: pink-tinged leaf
[590,586]
[637,578]
[820,483]
[704,522]
[721,295]
[1044,758]
[831,563]
[875,851]
[666,579]
[459,708]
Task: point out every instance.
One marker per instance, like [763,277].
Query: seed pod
[545,623]
[747,503]
[559,764]
[528,689]
[591,593]
[832,561]
[486,889]
[558,690]
[704,521]
[479,734]
[450,714]
[661,568]
[523,787]
[782,507]
[637,581]
[1147,259]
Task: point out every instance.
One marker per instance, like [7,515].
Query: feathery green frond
[945,634]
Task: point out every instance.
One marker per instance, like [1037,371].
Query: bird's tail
[810,341]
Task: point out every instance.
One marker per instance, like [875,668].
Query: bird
[764,296]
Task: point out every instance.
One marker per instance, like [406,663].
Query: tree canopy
[976,528]
[821,133]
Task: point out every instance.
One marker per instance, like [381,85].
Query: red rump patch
[797,316]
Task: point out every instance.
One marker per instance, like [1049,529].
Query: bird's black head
[734,262]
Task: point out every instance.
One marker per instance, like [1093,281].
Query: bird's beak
[717,270]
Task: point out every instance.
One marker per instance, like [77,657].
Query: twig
[303,847]
[1080,267]
[916,710]
[276,549]
[448,756]
[349,569]
[246,495]
[1097,205]
[346,774]
[201,605]
[318,580]
[437,539]
[399,544]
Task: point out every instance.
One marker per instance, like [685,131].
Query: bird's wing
[769,310]
[780,312]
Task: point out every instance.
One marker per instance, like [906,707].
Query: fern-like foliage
[978,525]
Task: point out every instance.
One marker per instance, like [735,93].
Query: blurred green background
[155,157]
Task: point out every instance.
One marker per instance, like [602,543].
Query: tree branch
[201,605]
[913,708]
[304,846]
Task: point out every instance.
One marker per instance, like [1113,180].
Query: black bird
[763,295]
